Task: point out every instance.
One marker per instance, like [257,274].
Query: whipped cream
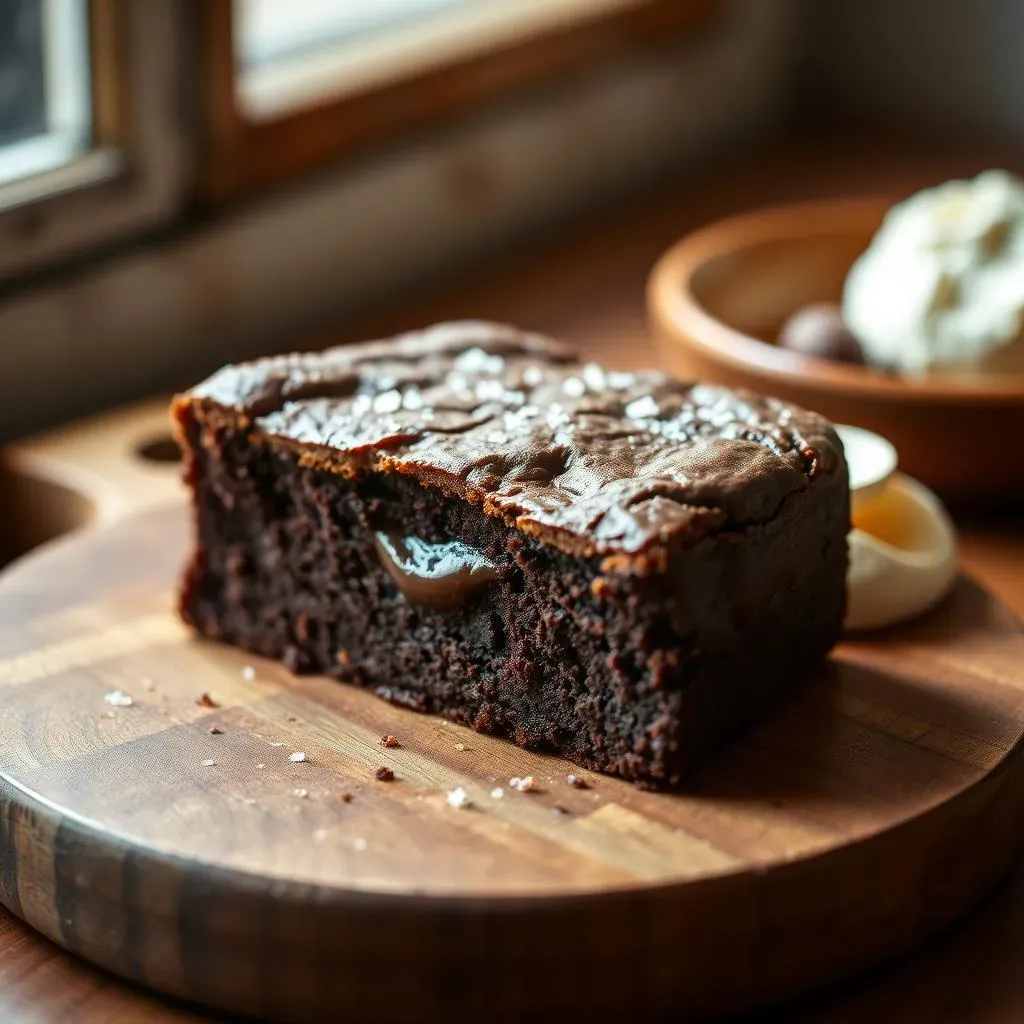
[941,287]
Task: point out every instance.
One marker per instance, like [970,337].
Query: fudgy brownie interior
[618,568]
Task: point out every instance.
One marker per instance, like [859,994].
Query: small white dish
[902,545]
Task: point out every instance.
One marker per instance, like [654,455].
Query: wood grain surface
[589,289]
[225,837]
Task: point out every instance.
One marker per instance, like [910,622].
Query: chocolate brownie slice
[616,567]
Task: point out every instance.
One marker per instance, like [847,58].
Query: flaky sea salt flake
[118,699]
[297,757]
[458,798]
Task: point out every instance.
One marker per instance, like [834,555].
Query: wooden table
[588,288]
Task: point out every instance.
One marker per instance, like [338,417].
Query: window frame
[242,156]
[134,175]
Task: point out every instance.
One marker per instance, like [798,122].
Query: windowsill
[404,51]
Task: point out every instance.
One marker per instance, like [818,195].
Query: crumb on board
[249,673]
[384,774]
[460,746]
[345,798]
[301,793]
[524,784]
[297,757]
[148,685]
[562,811]
[291,718]
[577,782]
[389,741]
[261,766]
[204,700]
[107,714]
[458,798]
[118,699]
[359,844]
[274,743]
[216,730]
[209,763]
[497,793]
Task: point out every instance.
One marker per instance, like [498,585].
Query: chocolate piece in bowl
[617,568]
[819,330]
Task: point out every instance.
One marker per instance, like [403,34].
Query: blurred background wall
[182,287]
[931,67]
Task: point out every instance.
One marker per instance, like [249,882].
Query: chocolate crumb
[204,700]
[388,740]
[291,718]
[345,798]
[560,810]
[216,730]
[384,774]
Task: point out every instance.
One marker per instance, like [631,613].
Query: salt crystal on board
[458,798]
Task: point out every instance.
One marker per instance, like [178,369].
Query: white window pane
[45,107]
[272,29]
[294,53]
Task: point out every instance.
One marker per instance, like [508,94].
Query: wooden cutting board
[181,841]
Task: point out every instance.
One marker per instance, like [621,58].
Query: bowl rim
[677,312]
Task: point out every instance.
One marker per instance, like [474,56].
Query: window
[45,110]
[89,150]
[117,114]
[295,84]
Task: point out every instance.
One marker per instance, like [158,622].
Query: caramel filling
[438,576]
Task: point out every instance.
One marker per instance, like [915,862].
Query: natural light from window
[294,53]
[45,109]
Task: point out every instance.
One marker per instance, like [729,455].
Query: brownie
[615,567]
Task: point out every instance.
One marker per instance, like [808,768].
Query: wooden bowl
[717,299]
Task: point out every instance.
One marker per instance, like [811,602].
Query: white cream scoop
[902,545]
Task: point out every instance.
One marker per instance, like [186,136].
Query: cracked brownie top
[593,461]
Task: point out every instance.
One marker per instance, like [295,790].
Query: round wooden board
[877,804]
